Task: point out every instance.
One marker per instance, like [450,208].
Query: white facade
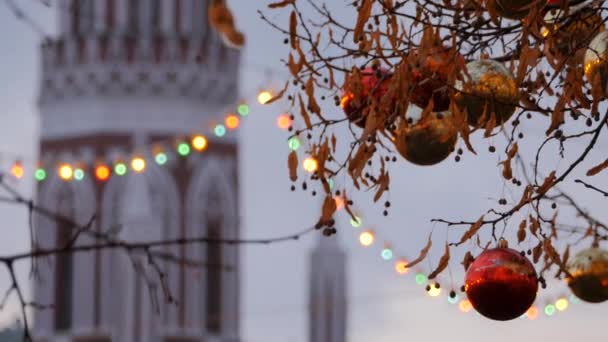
[122,76]
[328,292]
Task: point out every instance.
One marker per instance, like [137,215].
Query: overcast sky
[384,307]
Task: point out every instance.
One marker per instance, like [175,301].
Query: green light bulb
[243,109]
[120,169]
[40,174]
[420,279]
[294,143]
[183,149]
[550,310]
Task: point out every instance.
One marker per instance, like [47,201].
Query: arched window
[64,263]
[86,17]
[213,297]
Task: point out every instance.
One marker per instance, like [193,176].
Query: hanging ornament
[567,30]
[516,9]
[426,140]
[357,92]
[596,61]
[501,283]
[490,91]
[589,275]
[430,79]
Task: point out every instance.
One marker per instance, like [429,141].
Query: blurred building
[126,78]
[327,297]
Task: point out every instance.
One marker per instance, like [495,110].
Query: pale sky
[384,307]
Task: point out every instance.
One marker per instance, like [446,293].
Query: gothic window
[214,218]
[64,263]
[149,12]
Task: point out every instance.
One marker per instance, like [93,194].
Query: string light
[243,109]
[465,306]
[339,202]
[40,174]
[387,254]
[120,169]
[66,172]
[532,313]
[550,310]
[78,174]
[561,304]
[102,172]
[160,158]
[199,143]
[356,222]
[434,291]
[17,170]
[420,279]
[232,121]
[294,143]
[310,164]
[138,164]
[453,300]
[366,238]
[264,97]
[219,130]
[401,267]
[330,182]
[183,149]
[284,121]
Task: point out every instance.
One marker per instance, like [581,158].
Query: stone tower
[125,78]
[328,290]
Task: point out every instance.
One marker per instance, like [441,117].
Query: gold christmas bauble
[596,61]
[490,90]
[589,275]
[427,141]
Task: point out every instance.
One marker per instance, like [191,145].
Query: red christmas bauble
[356,95]
[501,284]
[431,81]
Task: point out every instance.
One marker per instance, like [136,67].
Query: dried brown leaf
[329,208]
[443,263]
[521,232]
[279,95]
[280,4]
[537,252]
[598,168]
[365,12]
[547,184]
[293,29]
[304,113]
[423,253]
[468,260]
[471,232]
[292,162]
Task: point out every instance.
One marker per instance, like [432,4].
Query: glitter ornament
[490,90]
[428,141]
[569,30]
[596,61]
[356,95]
[501,284]
[589,275]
